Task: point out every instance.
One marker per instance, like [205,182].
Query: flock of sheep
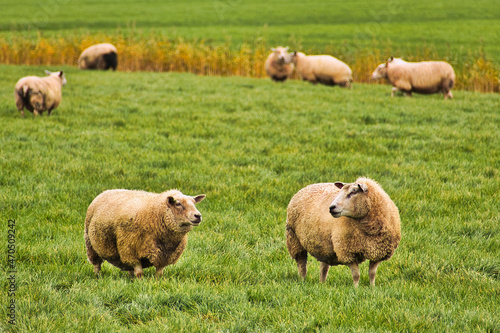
[426,77]
[337,223]
[44,94]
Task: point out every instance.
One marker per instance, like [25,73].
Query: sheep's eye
[178,204]
[351,193]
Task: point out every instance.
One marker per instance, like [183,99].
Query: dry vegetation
[154,52]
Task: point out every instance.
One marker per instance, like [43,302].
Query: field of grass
[233,37]
[250,145]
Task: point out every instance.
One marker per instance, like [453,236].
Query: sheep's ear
[287,48]
[294,53]
[391,59]
[273,49]
[199,198]
[61,73]
[171,200]
[363,187]
[339,184]
[48,72]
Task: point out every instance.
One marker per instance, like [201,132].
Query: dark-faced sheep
[100,56]
[342,224]
[133,230]
[426,77]
[278,64]
[38,94]
[323,69]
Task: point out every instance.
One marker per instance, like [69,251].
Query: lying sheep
[278,64]
[324,69]
[133,230]
[100,56]
[425,77]
[342,224]
[38,94]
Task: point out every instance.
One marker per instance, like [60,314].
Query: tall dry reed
[155,52]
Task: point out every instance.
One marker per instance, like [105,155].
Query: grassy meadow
[234,37]
[249,144]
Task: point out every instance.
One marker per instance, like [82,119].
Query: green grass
[250,145]
[446,27]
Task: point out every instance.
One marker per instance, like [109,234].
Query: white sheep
[133,230]
[426,77]
[38,94]
[342,224]
[99,56]
[323,69]
[278,64]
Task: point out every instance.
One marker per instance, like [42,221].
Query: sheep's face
[184,209]
[281,55]
[380,72]
[352,201]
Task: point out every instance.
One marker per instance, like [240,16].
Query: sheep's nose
[332,209]
[197,216]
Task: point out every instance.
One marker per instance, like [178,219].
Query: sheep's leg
[394,89]
[138,272]
[355,273]
[159,271]
[35,112]
[92,256]
[372,271]
[323,272]
[301,260]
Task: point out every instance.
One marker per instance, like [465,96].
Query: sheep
[426,77]
[278,64]
[38,94]
[324,69]
[133,230]
[99,56]
[342,224]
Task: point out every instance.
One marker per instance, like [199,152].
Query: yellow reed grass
[155,52]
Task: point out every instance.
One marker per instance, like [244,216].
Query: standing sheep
[324,69]
[39,94]
[342,224]
[133,230]
[427,77]
[100,56]
[278,64]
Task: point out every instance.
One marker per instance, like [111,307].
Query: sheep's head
[281,55]
[184,209]
[59,74]
[352,201]
[294,55]
[380,72]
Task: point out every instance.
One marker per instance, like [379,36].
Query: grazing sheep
[133,230]
[99,56]
[342,224]
[38,94]
[324,69]
[426,77]
[278,64]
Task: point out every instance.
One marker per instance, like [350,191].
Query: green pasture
[250,145]
[446,29]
